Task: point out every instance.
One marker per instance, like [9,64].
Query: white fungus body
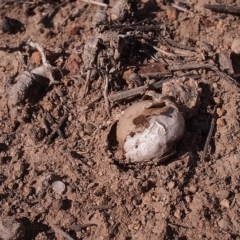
[156,137]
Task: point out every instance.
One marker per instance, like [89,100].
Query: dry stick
[223,8]
[210,133]
[48,68]
[208,66]
[105,92]
[132,27]
[96,3]
[60,231]
[157,85]
[190,66]
[136,91]
[178,225]
[179,8]
[179,45]
[86,86]
[37,46]
[60,124]
[115,226]
[156,74]
[129,93]
[163,52]
[90,104]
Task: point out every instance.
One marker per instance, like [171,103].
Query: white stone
[59,187]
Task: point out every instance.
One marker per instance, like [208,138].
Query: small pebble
[225,203]
[59,187]
[171,185]
[222,194]
[59,92]
[147,198]
[220,112]
[188,199]
[192,189]
[163,191]
[221,122]
[236,46]
[177,213]
[224,224]
[145,184]
[136,227]
[217,100]
[75,13]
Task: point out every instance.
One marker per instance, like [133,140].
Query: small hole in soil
[66,204]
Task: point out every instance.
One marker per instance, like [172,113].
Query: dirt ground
[63,134]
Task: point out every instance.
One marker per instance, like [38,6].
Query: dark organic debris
[11,25]
[223,8]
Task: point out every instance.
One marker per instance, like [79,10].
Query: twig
[132,27]
[37,46]
[105,92]
[233,202]
[223,8]
[90,104]
[136,91]
[86,86]
[96,3]
[155,74]
[78,155]
[190,66]
[179,8]
[59,126]
[111,233]
[162,51]
[179,45]
[60,231]
[48,68]
[210,133]
[127,94]
[179,225]
[75,12]
[208,66]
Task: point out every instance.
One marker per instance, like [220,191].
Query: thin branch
[179,8]
[95,3]
[226,77]
[59,126]
[136,91]
[60,231]
[210,133]
[105,92]
[163,52]
[223,8]
[39,47]
[179,45]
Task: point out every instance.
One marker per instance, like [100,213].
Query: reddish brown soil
[186,197]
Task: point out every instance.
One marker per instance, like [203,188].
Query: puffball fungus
[148,130]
